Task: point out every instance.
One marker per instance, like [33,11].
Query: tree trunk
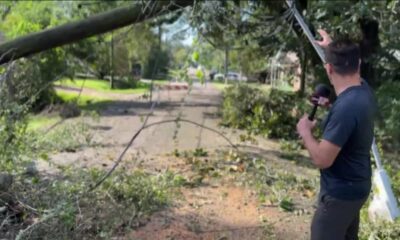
[303,65]
[112,61]
[160,36]
[369,45]
[98,24]
[226,66]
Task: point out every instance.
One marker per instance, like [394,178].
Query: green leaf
[200,75]
[286,205]
[195,56]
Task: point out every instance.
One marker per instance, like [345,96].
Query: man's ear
[329,68]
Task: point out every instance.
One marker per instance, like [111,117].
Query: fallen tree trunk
[98,24]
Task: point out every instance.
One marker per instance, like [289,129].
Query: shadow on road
[298,159]
[132,108]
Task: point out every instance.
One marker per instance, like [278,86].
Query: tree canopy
[248,33]
[259,29]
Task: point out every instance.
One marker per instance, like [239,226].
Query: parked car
[219,77]
[233,76]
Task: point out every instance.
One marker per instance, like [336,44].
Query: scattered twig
[112,199]
[24,205]
[144,126]
[28,207]
[124,151]
[79,208]
[22,233]
[54,126]
[80,91]
[5,221]
[134,214]
[194,123]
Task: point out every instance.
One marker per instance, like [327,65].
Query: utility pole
[112,61]
[160,35]
[226,63]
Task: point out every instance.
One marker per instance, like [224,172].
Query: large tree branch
[98,24]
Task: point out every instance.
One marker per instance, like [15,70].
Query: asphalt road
[123,118]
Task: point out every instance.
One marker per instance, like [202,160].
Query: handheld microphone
[320,91]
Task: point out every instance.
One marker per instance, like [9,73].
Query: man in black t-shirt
[343,153]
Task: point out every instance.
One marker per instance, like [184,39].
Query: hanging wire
[287,15]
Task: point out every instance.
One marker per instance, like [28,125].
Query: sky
[180,31]
[189,40]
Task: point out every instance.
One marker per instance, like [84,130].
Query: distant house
[293,62]
[282,67]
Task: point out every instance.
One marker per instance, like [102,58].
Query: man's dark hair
[344,55]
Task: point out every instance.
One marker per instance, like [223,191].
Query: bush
[66,210]
[273,113]
[379,230]
[129,83]
[389,113]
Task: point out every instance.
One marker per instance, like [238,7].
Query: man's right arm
[322,153]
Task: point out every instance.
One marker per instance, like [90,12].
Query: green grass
[83,101]
[103,86]
[219,85]
[39,121]
[89,83]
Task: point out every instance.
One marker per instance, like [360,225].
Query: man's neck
[346,82]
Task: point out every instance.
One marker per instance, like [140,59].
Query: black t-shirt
[350,125]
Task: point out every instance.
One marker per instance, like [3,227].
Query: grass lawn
[39,121]
[104,86]
[89,83]
[160,82]
[219,85]
[83,101]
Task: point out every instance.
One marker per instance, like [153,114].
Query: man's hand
[305,126]
[323,153]
[326,39]
[321,101]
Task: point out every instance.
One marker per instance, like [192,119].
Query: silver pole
[377,157]
[306,30]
